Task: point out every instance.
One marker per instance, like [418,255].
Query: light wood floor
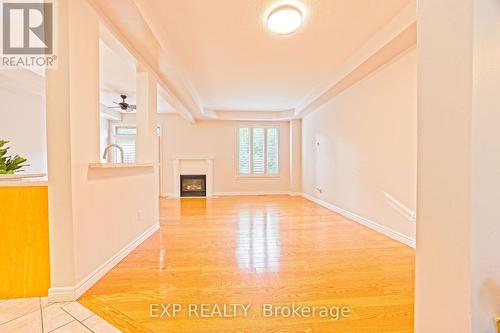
[262,249]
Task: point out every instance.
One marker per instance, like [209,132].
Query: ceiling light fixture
[284,19]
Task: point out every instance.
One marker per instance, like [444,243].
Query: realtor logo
[28,34]
[27,28]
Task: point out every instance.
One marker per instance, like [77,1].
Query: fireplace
[193,185]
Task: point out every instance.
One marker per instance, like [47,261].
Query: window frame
[252,175]
[117,126]
[116,137]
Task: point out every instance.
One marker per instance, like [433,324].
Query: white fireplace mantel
[193,165]
[194,157]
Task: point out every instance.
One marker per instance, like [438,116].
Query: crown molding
[251,115]
[393,39]
[145,62]
[184,88]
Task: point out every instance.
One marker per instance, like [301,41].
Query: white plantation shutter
[125,137]
[244,151]
[128,146]
[272,151]
[258,151]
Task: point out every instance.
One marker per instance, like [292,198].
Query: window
[125,130]
[258,151]
[124,136]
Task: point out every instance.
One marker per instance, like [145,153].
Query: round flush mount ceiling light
[284,19]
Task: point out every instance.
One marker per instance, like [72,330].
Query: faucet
[113,146]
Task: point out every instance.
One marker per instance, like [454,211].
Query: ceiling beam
[394,38]
[145,61]
[252,115]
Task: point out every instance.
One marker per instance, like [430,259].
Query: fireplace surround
[193,165]
[193,185]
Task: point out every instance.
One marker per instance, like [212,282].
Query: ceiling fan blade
[132,106]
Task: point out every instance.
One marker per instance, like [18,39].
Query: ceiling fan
[123,105]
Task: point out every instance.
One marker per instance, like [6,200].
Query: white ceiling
[26,80]
[230,61]
[118,76]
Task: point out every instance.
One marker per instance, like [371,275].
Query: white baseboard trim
[61,294]
[408,213]
[223,194]
[67,294]
[364,221]
[252,193]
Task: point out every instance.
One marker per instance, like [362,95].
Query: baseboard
[223,194]
[364,221]
[61,294]
[408,213]
[67,294]
[252,193]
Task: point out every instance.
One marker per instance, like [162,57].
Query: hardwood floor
[255,250]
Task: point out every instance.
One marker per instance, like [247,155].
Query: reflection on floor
[255,250]
[37,315]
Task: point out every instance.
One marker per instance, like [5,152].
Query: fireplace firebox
[193,185]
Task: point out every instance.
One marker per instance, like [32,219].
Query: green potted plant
[8,164]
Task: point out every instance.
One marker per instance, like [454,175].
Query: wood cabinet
[24,242]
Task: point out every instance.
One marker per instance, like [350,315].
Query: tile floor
[37,315]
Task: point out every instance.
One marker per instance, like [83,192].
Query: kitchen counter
[24,245]
[24,180]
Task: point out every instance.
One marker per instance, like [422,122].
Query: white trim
[109,114]
[207,170]
[120,165]
[193,157]
[410,214]
[66,294]
[62,294]
[364,221]
[23,183]
[161,162]
[257,176]
[224,194]
[382,39]
[22,176]
[252,193]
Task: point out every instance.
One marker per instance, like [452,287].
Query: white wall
[94,213]
[295,156]
[442,277]
[458,167]
[485,229]
[22,122]
[362,144]
[218,138]
[104,135]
